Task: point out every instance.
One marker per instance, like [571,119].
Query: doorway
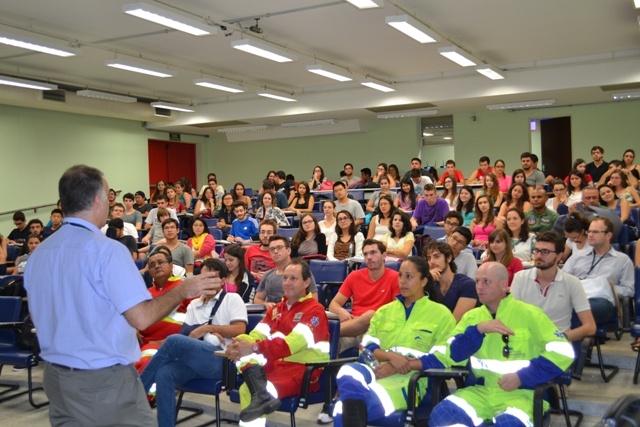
[555,146]
[170,161]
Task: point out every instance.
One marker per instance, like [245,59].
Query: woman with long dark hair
[466,205]
[407,198]
[238,272]
[309,240]
[400,239]
[347,241]
[500,250]
[522,240]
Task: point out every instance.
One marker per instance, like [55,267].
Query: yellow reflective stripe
[369,339]
[560,347]
[306,332]
[150,352]
[406,351]
[500,367]
[461,403]
[519,414]
[176,318]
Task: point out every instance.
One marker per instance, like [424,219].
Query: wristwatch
[255,348]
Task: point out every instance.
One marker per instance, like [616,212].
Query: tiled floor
[591,395]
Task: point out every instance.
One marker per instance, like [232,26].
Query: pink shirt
[505,182]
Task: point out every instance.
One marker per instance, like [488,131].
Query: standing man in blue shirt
[87,299]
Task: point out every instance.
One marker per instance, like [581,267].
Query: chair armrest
[538,401]
[330,367]
[11,325]
[335,363]
[439,377]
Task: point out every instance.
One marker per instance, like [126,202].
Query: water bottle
[350,250]
[369,359]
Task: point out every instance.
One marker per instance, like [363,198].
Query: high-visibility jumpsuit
[537,352]
[411,332]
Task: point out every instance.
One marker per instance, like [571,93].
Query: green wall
[500,134]
[38,145]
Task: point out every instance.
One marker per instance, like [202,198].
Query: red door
[170,161]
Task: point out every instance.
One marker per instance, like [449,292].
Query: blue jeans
[602,309]
[179,360]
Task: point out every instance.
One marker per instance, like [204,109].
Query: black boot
[262,403]
[354,413]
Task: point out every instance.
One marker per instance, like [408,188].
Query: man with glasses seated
[555,291]
[270,291]
[601,270]
[511,347]
[459,241]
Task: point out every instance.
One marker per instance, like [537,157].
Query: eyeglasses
[596,231]
[505,350]
[451,224]
[276,249]
[307,222]
[458,241]
[344,218]
[543,252]
[155,264]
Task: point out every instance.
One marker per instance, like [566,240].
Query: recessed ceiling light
[366,4]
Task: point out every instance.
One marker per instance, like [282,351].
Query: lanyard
[594,263]
[77,225]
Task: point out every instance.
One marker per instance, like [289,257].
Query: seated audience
[399,239]
[270,290]
[366,395]
[225,215]
[456,291]
[163,203]
[575,232]
[540,218]
[160,189]
[484,223]
[500,250]
[210,323]
[450,192]
[303,200]
[430,210]
[240,194]
[598,167]
[560,196]
[385,190]
[347,241]
[613,166]
[518,177]
[522,241]
[18,235]
[183,192]
[534,178]
[419,181]
[407,197]
[202,244]
[155,236]
[516,197]
[206,205]
[466,205]
[459,241]
[141,204]
[609,199]
[268,211]
[33,241]
[490,188]
[309,240]
[478,175]
[118,212]
[317,178]
[380,223]
[243,228]
[555,291]
[452,172]
[632,170]
[257,258]
[577,182]
[56,223]
[131,216]
[504,181]
[115,230]
[343,203]
[328,224]
[173,201]
[238,274]
[383,171]
[620,184]
[181,255]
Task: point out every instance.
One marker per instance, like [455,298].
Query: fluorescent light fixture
[412,28]
[309,123]
[243,128]
[170,106]
[490,71]
[457,55]
[377,85]
[263,49]
[26,42]
[408,113]
[218,85]
[329,71]
[366,4]
[28,84]
[105,95]
[626,95]
[137,67]
[524,104]
[280,96]
[168,19]
[427,134]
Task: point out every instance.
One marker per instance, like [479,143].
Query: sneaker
[324,418]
